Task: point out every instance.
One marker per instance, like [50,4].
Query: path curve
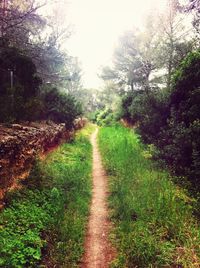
[98,251]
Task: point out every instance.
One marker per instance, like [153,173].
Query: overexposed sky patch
[97,27]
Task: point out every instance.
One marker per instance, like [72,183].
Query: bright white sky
[97,27]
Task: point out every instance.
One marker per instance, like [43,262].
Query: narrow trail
[98,251]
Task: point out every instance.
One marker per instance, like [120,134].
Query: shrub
[105,117]
[179,142]
[60,107]
[171,121]
[93,116]
[149,112]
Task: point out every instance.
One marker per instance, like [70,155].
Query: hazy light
[98,25]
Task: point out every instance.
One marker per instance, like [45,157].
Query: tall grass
[153,219]
[43,225]
[70,168]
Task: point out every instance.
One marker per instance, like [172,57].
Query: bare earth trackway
[98,251]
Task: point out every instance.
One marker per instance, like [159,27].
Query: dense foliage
[171,120]
[24,98]
[21,101]
[104,117]
[45,221]
[153,223]
[31,61]
[28,214]
[149,112]
[61,107]
[179,142]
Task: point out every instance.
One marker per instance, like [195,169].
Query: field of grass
[152,218]
[43,225]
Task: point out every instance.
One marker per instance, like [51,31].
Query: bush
[149,112]
[105,117]
[179,140]
[60,107]
[171,122]
[93,116]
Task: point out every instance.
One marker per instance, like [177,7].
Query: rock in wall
[19,146]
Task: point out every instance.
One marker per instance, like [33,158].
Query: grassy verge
[43,224]
[154,226]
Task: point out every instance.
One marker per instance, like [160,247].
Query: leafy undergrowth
[154,226]
[43,224]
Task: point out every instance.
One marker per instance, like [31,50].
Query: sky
[97,26]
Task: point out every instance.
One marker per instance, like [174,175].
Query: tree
[72,76]
[31,56]
[178,38]
[19,87]
[132,66]
[20,22]
[37,37]
[178,140]
[194,7]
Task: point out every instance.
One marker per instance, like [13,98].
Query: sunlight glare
[98,25]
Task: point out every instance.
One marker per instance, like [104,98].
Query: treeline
[155,76]
[37,78]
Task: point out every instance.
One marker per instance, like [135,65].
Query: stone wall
[19,146]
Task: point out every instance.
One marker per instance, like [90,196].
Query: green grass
[153,222]
[45,221]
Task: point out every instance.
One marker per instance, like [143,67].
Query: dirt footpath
[98,251]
